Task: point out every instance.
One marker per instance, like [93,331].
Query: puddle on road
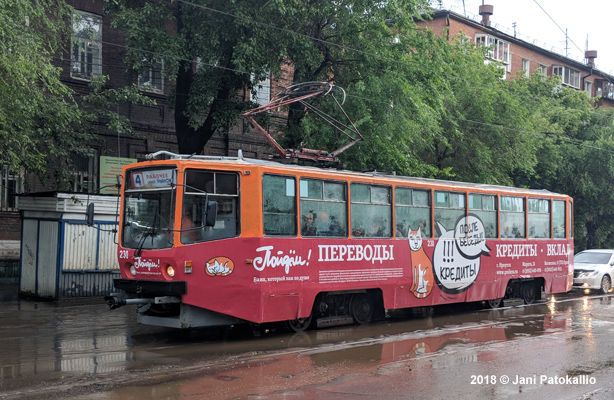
[62,339]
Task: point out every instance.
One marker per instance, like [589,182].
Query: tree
[220,50]
[42,126]
[576,157]
[212,56]
[38,116]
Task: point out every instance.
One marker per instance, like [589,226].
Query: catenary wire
[315,39]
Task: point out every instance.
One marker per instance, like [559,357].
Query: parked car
[594,269]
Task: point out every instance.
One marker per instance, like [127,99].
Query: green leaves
[42,127]
[426,106]
[35,107]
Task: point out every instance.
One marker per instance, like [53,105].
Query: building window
[151,78]
[83,173]
[543,69]
[86,55]
[499,50]
[588,86]
[607,91]
[261,93]
[570,77]
[465,40]
[526,66]
[10,186]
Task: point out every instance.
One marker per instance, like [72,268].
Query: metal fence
[9,269]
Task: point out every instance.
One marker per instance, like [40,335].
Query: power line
[419,67]
[405,63]
[557,25]
[547,134]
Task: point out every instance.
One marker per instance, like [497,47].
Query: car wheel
[606,284]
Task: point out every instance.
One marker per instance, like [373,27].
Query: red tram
[211,241]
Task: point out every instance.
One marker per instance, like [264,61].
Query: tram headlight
[170,271]
[132,269]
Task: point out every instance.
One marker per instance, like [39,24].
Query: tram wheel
[529,292]
[300,324]
[606,285]
[494,303]
[362,308]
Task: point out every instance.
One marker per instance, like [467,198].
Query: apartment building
[518,56]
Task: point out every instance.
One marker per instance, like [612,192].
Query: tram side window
[558,219]
[512,217]
[484,207]
[539,218]
[412,211]
[371,211]
[279,205]
[323,208]
[206,186]
[449,208]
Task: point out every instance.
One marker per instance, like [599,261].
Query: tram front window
[147,220]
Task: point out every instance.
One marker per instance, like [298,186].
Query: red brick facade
[451,24]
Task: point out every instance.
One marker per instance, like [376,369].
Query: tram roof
[271,163]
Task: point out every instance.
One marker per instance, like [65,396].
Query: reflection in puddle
[42,338]
[345,364]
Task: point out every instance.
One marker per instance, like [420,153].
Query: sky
[545,21]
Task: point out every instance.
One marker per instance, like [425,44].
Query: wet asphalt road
[557,349]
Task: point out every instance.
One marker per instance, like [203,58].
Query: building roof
[520,42]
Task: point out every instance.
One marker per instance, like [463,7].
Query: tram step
[334,321]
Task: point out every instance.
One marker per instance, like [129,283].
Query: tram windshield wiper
[149,231]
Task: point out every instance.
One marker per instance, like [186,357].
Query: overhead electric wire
[406,63]
[163,55]
[557,25]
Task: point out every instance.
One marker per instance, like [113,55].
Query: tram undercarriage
[329,309]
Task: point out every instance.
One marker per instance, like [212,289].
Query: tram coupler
[116,300]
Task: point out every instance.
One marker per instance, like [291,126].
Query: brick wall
[519,50]
[10,226]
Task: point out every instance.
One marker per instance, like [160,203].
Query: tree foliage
[38,116]
[42,126]
[427,106]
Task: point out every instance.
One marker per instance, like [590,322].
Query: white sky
[580,18]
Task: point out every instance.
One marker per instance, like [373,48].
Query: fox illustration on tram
[213,241]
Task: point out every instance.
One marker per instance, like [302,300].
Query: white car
[594,269]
